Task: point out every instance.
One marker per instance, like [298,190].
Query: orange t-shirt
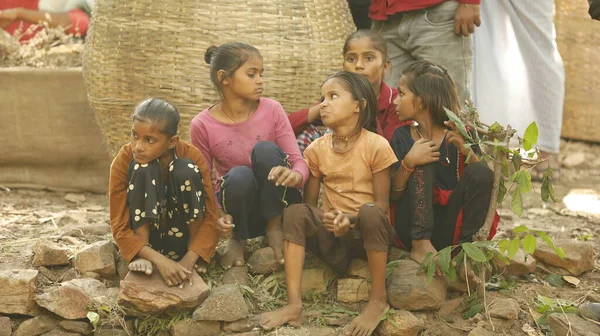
[348,176]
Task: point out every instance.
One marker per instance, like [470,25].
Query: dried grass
[49,48]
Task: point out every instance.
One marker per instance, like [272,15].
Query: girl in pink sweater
[250,142]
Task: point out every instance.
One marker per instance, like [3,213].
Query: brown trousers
[302,225]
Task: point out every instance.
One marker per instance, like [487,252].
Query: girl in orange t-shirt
[353,163]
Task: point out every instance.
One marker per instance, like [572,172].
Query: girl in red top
[365,53]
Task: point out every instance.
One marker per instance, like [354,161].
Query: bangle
[406,169]
[398,190]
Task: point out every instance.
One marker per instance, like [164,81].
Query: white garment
[518,73]
[63,6]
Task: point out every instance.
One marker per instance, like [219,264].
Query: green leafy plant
[547,306]
[153,325]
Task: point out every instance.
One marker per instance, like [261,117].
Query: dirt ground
[27,215]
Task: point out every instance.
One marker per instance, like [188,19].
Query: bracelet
[406,169]
[398,190]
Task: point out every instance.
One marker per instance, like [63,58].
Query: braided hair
[437,90]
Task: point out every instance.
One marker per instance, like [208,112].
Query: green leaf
[474,252]
[94,318]
[516,160]
[430,270]
[529,244]
[520,228]
[517,202]
[443,259]
[501,191]
[523,179]
[459,125]
[531,136]
[503,246]
[547,188]
[513,247]
[545,238]
[555,280]
[505,171]
[560,252]
[495,128]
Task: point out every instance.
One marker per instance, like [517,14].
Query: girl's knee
[371,217]
[265,152]
[240,182]
[185,169]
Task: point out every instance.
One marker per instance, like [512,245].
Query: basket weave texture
[145,48]
[578,38]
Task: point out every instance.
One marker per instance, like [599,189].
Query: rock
[60,332]
[69,275]
[98,257]
[579,256]
[247,324]
[479,331]
[51,276]
[196,328]
[316,280]
[397,254]
[92,287]
[262,261]
[91,275]
[67,301]
[85,230]
[573,160]
[36,326]
[236,275]
[402,323]
[449,306]
[250,333]
[122,266]
[148,294]
[111,332]
[5,326]
[353,290]
[312,261]
[17,292]
[505,308]
[518,265]
[80,327]
[408,288]
[75,198]
[539,212]
[358,268]
[48,253]
[225,303]
[559,323]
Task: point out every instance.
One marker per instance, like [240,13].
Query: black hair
[361,90]
[437,90]
[158,110]
[378,42]
[228,57]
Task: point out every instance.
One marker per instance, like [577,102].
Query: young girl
[354,164]
[365,53]
[442,199]
[162,211]
[251,143]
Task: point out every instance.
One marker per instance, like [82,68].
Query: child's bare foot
[234,254]
[201,266]
[420,250]
[365,323]
[275,239]
[141,265]
[289,314]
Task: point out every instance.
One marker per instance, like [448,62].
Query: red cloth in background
[380,9]
[80,21]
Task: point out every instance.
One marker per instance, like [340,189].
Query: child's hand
[188,262]
[422,152]
[341,225]
[283,176]
[8,16]
[335,221]
[454,137]
[172,272]
[225,226]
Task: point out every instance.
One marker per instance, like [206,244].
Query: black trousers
[250,198]
[417,217]
[168,206]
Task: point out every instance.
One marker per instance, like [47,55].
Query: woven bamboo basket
[141,48]
[578,38]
